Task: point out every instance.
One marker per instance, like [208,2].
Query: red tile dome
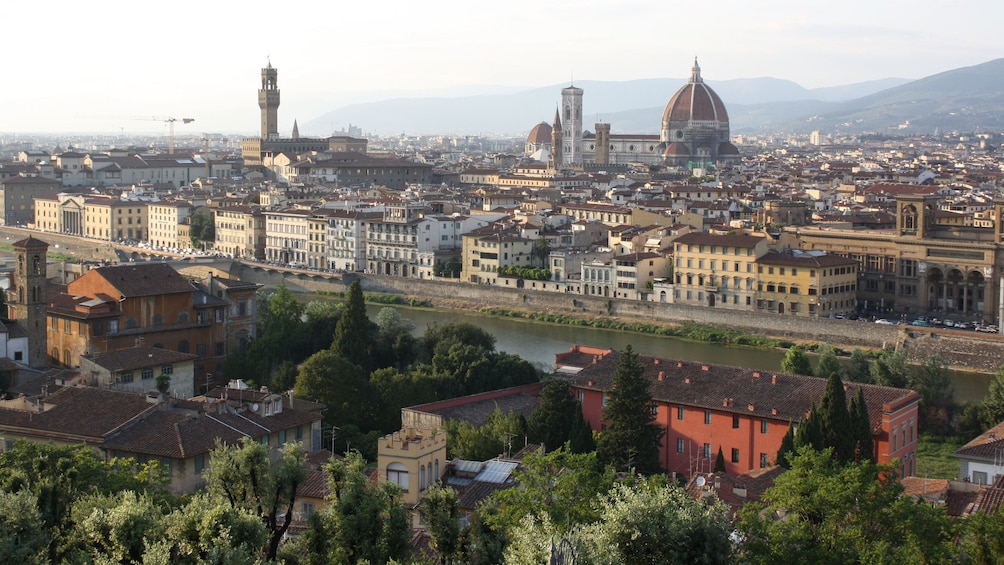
[541,133]
[695,101]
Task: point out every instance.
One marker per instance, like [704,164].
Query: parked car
[920,323]
[885,322]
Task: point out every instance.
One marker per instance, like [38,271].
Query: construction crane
[170,124]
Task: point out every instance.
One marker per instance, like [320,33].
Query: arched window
[131,323]
[158,319]
[398,474]
[436,476]
[421,477]
[182,317]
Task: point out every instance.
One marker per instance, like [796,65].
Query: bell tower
[268,101]
[27,302]
[555,160]
[571,103]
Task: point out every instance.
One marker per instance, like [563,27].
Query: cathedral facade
[694,133]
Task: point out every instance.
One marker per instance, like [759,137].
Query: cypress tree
[352,334]
[864,447]
[787,447]
[720,461]
[809,432]
[550,421]
[834,421]
[632,438]
[580,438]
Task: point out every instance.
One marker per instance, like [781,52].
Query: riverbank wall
[960,349]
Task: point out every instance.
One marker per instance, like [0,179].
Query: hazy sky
[94,66]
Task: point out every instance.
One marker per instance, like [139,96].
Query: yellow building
[717,271]
[112,219]
[240,232]
[487,249]
[413,459]
[166,217]
[920,265]
[806,284]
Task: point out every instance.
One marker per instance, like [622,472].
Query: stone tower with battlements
[27,302]
[268,101]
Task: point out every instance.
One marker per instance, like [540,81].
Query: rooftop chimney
[773,411]
[655,361]
[662,375]
[750,407]
[705,368]
[773,379]
[756,374]
[686,381]
[679,364]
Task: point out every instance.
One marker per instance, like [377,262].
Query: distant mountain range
[964,99]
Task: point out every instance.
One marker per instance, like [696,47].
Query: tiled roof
[701,238]
[764,394]
[989,500]
[988,446]
[80,412]
[805,260]
[137,358]
[471,495]
[141,279]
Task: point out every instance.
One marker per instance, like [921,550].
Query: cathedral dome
[694,102]
[676,149]
[540,134]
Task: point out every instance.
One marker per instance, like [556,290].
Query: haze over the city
[116,66]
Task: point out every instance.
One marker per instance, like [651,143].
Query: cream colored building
[165,217]
[346,238]
[803,283]
[413,459]
[717,271]
[112,219]
[286,236]
[240,232]
[487,249]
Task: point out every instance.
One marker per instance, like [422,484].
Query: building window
[98,328]
[125,378]
[706,452]
[282,437]
[200,463]
[167,369]
[398,474]
[735,421]
[679,412]
[147,374]
[307,508]
[763,426]
[763,460]
[707,416]
[200,350]
[680,445]
[735,454]
[66,325]
[183,346]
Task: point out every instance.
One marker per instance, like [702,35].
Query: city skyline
[110,68]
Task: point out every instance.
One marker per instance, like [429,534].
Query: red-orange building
[116,307]
[744,412]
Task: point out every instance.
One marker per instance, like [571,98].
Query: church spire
[557,118]
[296,130]
[695,72]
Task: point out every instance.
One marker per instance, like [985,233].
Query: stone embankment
[961,349]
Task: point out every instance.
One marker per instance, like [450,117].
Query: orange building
[116,307]
[744,412]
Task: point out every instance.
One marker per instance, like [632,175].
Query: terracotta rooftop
[765,394]
[139,279]
[701,238]
[85,413]
[137,358]
[988,446]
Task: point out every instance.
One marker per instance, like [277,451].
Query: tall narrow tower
[571,103]
[268,101]
[27,303]
[554,161]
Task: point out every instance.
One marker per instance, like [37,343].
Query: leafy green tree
[21,536]
[247,478]
[340,384]
[787,447]
[834,420]
[861,428]
[117,527]
[440,508]
[982,538]
[632,436]
[809,432]
[502,432]
[969,423]
[442,337]
[352,334]
[481,542]
[163,383]
[208,529]
[658,524]
[362,521]
[720,461]
[992,407]
[580,438]
[202,229]
[842,513]
[549,422]
[560,484]
[283,377]
[890,369]
[859,368]
[934,385]
[541,251]
[796,361]
[828,363]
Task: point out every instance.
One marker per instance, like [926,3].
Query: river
[538,343]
